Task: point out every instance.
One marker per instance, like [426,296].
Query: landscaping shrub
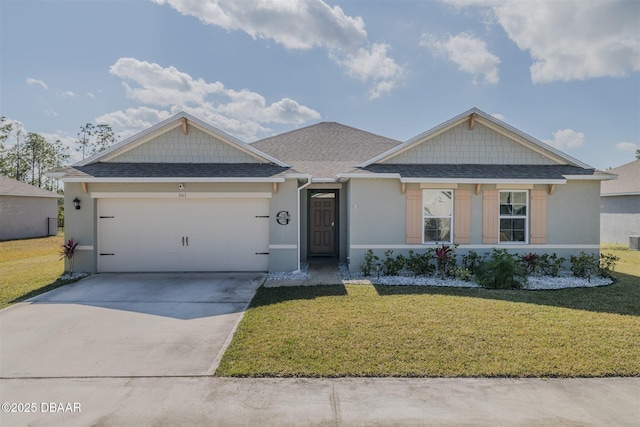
[584,265]
[462,273]
[392,266]
[607,264]
[471,261]
[530,262]
[550,265]
[370,260]
[501,271]
[420,263]
[446,259]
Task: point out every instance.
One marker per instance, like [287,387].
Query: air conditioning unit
[634,243]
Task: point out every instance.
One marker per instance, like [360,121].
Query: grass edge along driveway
[379,331]
[29,267]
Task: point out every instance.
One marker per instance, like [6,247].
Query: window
[437,214]
[513,216]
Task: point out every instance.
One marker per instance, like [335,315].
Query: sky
[565,72]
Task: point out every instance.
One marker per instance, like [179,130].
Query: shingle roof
[457,171]
[325,149]
[11,187]
[175,170]
[628,181]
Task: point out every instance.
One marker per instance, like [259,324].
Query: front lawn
[29,267]
[365,330]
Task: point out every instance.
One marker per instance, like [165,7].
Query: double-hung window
[514,211]
[437,215]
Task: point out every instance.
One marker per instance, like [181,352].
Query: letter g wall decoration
[283,217]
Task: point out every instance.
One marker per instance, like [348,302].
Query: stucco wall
[481,145]
[283,239]
[26,217]
[619,218]
[377,215]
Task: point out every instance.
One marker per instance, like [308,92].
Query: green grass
[29,267]
[364,330]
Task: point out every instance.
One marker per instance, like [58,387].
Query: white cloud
[566,139]
[303,25]
[91,95]
[67,94]
[50,112]
[33,81]
[627,146]
[373,64]
[571,39]
[499,116]
[242,113]
[469,53]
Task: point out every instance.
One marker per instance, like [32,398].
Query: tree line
[31,156]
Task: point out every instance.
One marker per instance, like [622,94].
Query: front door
[322,223]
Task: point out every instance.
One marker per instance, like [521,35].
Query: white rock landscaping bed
[533,282]
[301,274]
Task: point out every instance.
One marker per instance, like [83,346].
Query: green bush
[501,271]
[462,273]
[392,266]
[607,264]
[584,265]
[420,263]
[471,261]
[550,265]
[369,263]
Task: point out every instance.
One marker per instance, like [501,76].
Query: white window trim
[526,218]
[439,242]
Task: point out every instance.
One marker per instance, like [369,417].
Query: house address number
[182,195]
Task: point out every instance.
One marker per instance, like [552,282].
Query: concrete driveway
[125,325]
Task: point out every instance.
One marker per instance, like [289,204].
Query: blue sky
[565,72]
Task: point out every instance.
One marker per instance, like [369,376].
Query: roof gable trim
[478,116]
[169,124]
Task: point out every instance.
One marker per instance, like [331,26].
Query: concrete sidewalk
[211,401]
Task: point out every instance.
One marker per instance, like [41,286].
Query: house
[184,196]
[26,211]
[620,205]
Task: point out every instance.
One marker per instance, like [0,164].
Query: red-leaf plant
[444,255]
[68,251]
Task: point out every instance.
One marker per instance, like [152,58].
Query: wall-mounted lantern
[76,203]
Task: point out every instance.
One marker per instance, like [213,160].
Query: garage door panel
[183,235]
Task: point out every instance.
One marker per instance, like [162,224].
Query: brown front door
[322,223]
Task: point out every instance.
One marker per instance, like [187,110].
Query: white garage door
[183,234]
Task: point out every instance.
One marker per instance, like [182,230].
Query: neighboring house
[184,196]
[26,211]
[620,205]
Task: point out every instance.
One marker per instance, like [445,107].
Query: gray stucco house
[26,211]
[184,196]
[620,205]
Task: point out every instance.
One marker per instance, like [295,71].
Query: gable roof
[180,119]
[480,116]
[11,187]
[325,149]
[628,182]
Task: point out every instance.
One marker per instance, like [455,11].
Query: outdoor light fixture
[76,203]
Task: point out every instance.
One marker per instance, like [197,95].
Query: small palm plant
[444,256]
[68,251]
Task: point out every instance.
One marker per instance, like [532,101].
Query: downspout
[302,187]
